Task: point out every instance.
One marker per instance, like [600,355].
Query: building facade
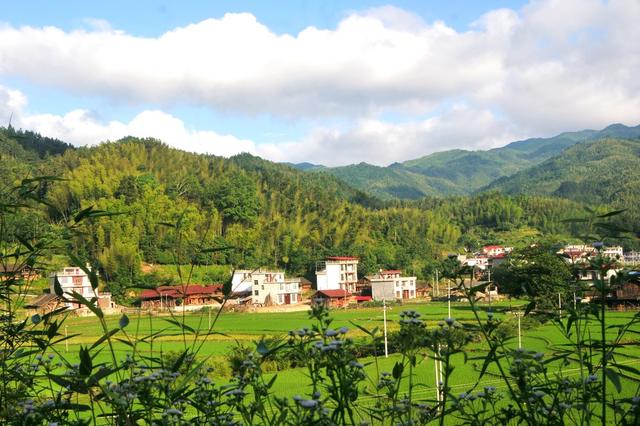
[390,284]
[267,287]
[337,273]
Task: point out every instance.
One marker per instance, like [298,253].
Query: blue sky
[330,82]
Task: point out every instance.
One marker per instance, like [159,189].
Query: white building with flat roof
[388,283]
[267,287]
[337,273]
[74,279]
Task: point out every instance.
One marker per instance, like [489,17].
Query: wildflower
[308,403]
[450,321]
[591,379]
[356,364]
[330,333]
[463,395]
[343,330]
[538,356]
[489,389]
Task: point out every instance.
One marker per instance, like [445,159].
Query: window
[262,287]
[255,282]
[294,298]
[281,287]
[280,298]
[256,293]
[398,294]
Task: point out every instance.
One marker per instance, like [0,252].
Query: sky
[332,82]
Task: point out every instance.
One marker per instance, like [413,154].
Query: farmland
[232,329]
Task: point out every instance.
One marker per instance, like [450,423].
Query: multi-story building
[390,284]
[337,273]
[73,279]
[267,287]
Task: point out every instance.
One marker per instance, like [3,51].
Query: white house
[267,287]
[614,252]
[337,273]
[74,279]
[391,283]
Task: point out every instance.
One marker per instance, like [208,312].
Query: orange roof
[333,294]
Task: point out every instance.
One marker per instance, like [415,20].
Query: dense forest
[174,207]
[457,171]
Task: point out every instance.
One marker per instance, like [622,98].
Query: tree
[534,272]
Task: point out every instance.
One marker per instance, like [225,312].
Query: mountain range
[461,172]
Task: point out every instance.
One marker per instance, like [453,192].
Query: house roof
[491,247]
[391,271]
[363,298]
[179,291]
[341,258]
[333,294]
[42,300]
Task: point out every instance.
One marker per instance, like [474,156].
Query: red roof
[178,291]
[491,247]
[363,298]
[500,256]
[341,258]
[333,294]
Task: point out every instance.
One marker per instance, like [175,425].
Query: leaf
[86,363]
[613,378]
[530,307]
[82,214]
[57,288]
[124,321]
[261,348]
[89,304]
[178,362]
[104,337]
[397,370]
[612,213]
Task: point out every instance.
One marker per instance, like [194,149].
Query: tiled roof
[342,258]
[332,294]
[179,291]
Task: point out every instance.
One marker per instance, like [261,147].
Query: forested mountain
[603,171]
[465,172]
[270,214]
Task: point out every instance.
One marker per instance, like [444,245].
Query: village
[337,285]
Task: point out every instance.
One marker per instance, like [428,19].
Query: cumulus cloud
[81,127]
[554,65]
[382,143]
[370,140]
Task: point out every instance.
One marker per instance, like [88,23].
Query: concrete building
[390,285]
[73,279]
[267,287]
[337,273]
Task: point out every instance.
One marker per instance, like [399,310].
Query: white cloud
[552,66]
[383,143]
[81,127]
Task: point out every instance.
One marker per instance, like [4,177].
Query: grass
[244,328]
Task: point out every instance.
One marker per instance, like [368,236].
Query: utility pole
[437,282]
[560,305]
[449,297]
[519,314]
[384,318]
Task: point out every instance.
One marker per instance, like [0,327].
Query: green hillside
[602,171]
[465,172]
[270,214]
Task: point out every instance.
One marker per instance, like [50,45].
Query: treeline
[177,207]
